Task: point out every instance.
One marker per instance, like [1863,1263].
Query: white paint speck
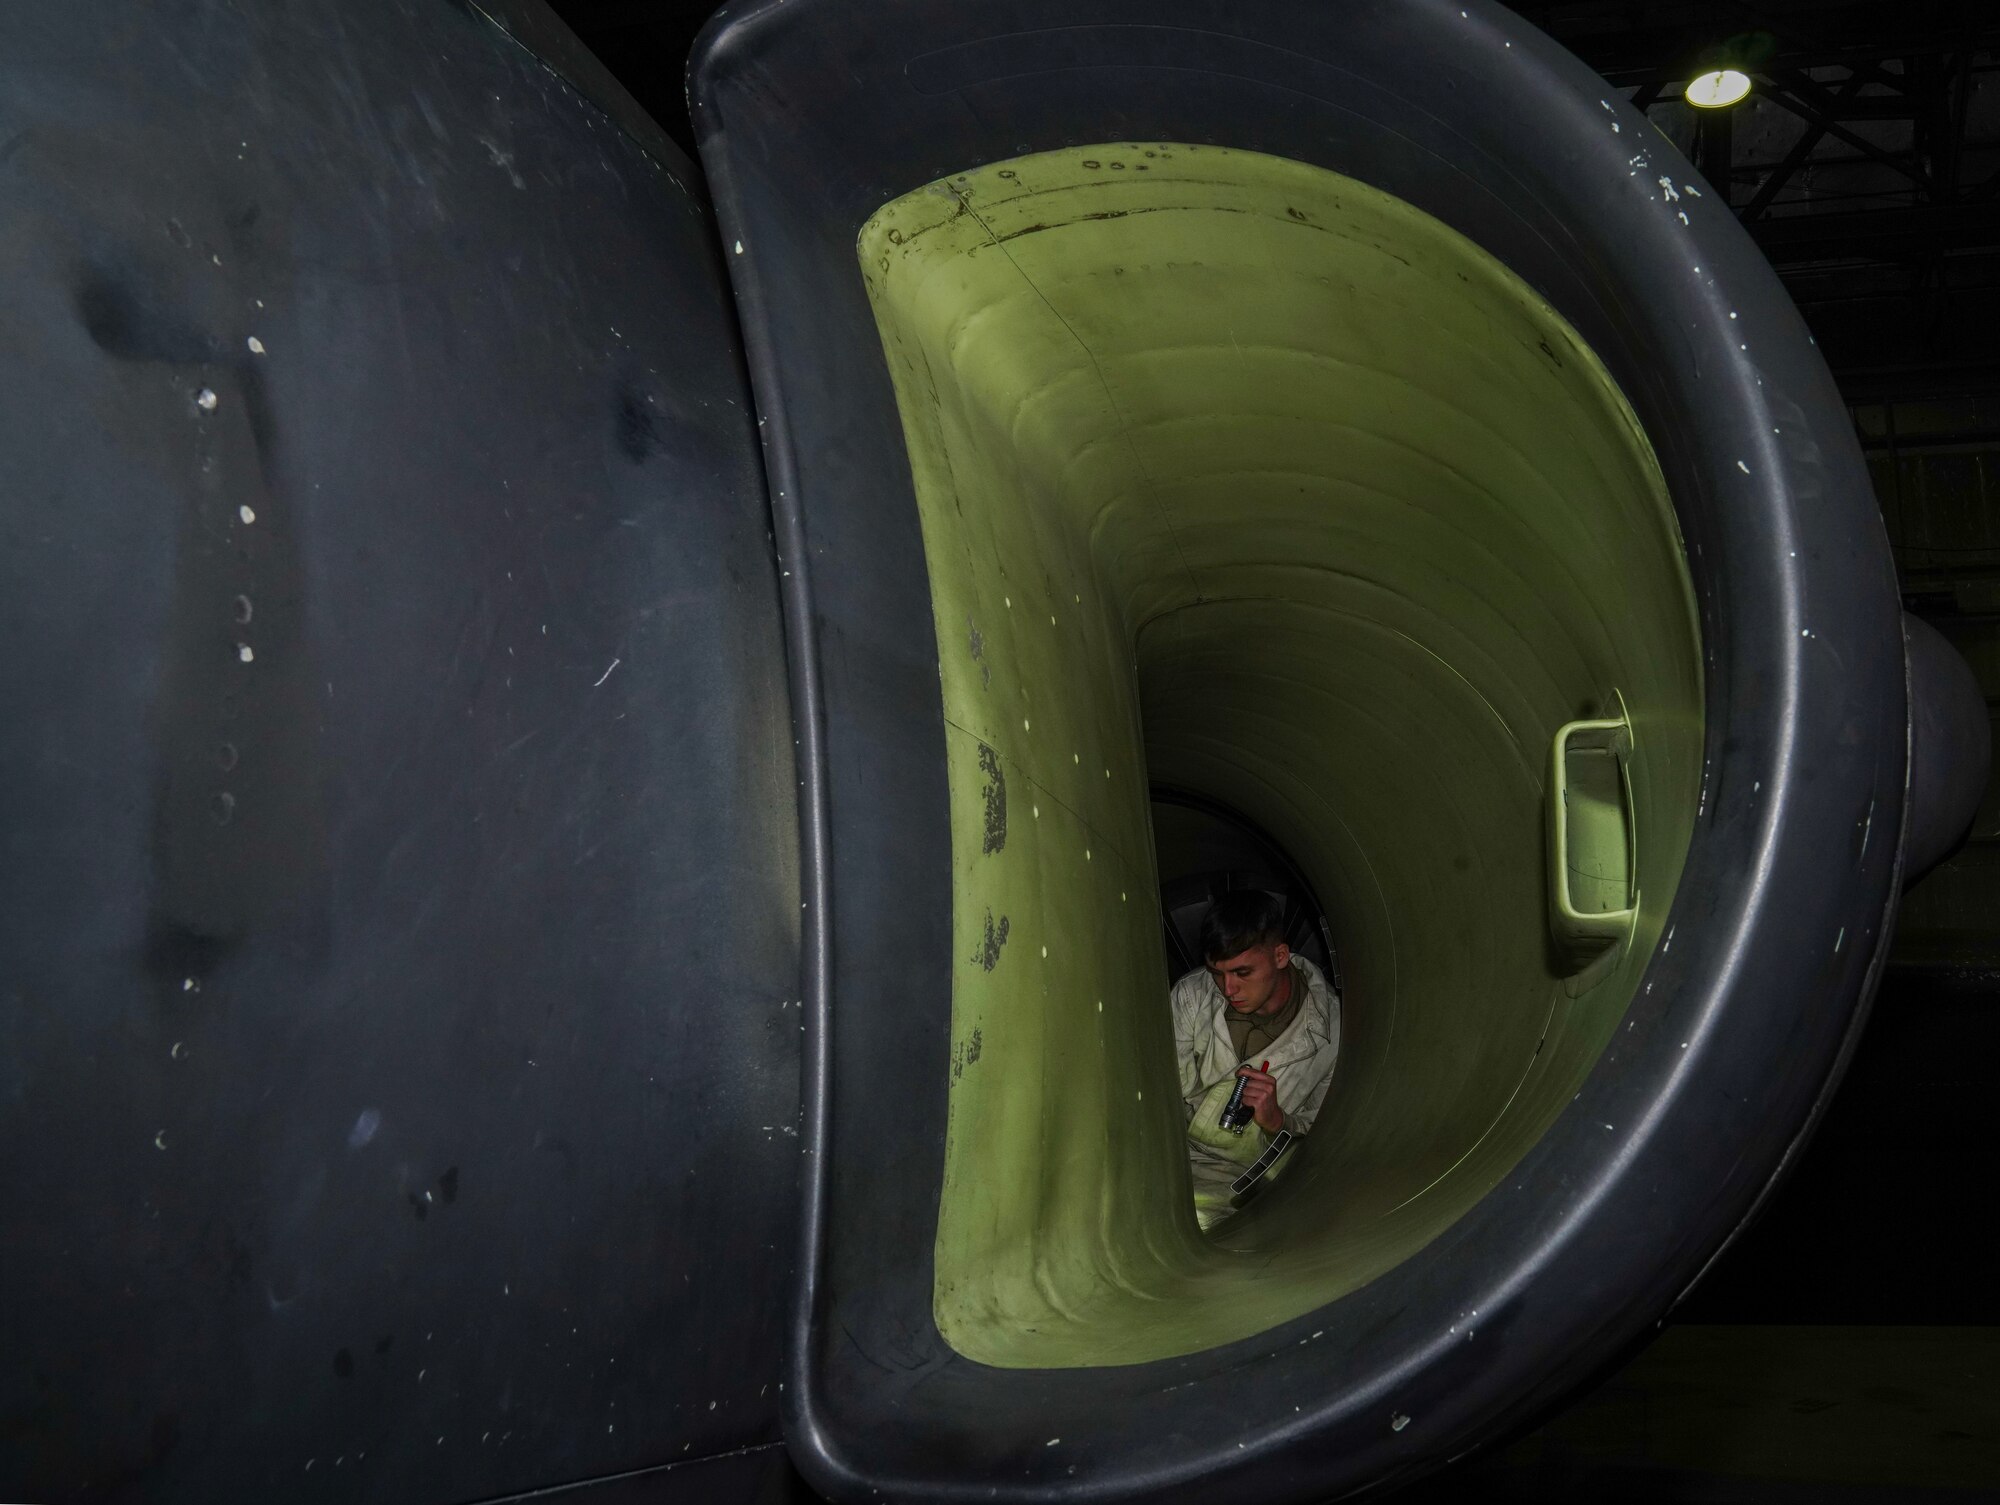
[256,345]
[1398,1422]
[247,513]
[206,399]
[1667,190]
[160,1140]
[245,652]
[607,673]
[1742,467]
[365,1124]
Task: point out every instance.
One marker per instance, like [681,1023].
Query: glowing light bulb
[1718,88]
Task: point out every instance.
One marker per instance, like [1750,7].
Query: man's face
[1250,978]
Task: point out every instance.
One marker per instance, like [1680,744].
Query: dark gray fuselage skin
[398,1049]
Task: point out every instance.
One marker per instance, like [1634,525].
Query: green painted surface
[1242,476]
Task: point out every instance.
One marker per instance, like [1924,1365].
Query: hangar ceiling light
[1718,88]
[1722,73]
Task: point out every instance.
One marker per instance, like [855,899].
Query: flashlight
[1235,1118]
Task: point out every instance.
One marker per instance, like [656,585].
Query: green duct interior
[1245,477]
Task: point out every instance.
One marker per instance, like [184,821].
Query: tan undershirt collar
[1250,1033]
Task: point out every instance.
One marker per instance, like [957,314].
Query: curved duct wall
[1041,444]
[1245,476]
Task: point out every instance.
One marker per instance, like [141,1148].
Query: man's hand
[1260,1096]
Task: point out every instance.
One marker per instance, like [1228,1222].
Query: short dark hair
[1238,920]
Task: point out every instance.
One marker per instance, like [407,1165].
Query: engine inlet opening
[1244,479]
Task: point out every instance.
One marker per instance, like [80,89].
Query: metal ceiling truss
[1880,207]
[1833,67]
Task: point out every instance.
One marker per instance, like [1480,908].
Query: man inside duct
[1257,1027]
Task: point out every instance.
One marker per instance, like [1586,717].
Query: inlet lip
[1773,942]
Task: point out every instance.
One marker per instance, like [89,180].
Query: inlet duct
[576,885]
[1358,415]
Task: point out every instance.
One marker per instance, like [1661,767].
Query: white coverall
[1301,1063]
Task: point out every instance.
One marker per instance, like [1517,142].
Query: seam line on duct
[1117,409]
